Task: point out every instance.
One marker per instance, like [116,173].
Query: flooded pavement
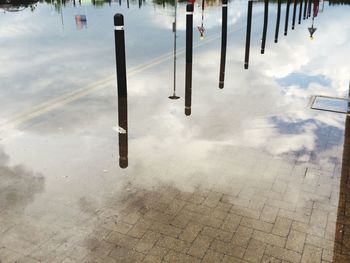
[238,165]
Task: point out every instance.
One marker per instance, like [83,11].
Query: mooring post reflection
[309,9]
[287,18]
[174,96]
[294,13]
[189,50]
[248,33]
[122,89]
[266,17]
[278,20]
[300,11]
[305,9]
[223,44]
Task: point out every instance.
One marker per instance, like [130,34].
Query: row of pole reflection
[307,8]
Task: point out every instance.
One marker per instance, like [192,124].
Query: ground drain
[332,104]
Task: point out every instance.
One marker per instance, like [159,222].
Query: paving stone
[126,255]
[296,241]
[283,254]
[217,233]
[257,224]
[229,259]
[319,242]
[311,254]
[147,241]
[174,244]
[175,257]
[269,259]
[269,238]
[228,248]
[231,223]
[200,245]
[190,232]
[212,256]
[165,229]
[255,251]
[242,236]
[282,226]
[269,214]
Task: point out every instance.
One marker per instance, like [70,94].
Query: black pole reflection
[300,11]
[309,9]
[287,18]
[189,50]
[249,29]
[127,3]
[266,17]
[305,8]
[294,13]
[122,90]
[278,20]
[223,44]
[174,96]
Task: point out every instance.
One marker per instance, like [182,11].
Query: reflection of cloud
[18,186]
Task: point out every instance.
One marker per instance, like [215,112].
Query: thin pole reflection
[305,9]
[248,34]
[300,11]
[294,13]
[201,28]
[189,50]
[278,20]
[266,16]
[223,44]
[287,18]
[174,96]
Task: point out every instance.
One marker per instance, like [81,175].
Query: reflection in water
[248,33]
[174,96]
[18,186]
[223,44]
[81,21]
[266,16]
[300,10]
[278,20]
[287,18]
[312,29]
[201,28]
[305,8]
[122,90]
[189,50]
[294,13]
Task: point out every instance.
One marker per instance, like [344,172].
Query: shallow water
[256,143]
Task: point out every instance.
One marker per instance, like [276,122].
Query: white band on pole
[189,13]
[224,5]
[119,27]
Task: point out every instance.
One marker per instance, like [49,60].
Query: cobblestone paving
[289,214]
[282,210]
